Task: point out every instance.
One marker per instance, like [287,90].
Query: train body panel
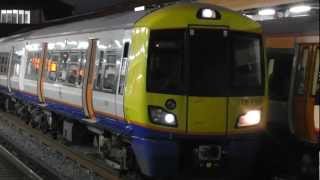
[304,94]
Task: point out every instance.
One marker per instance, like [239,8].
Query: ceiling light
[299,9]
[267,12]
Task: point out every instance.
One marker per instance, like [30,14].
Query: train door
[33,75]
[87,88]
[306,92]
[107,94]
[15,67]
[207,100]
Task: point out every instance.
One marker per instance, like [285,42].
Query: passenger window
[106,70]
[99,71]
[109,77]
[33,65]
[52,67]
[71,68]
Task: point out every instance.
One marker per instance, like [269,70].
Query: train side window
[99,71]
[123,69]
[109,75]
[33,65]
[16,61]
[52,67]
[316,77]
[71,66]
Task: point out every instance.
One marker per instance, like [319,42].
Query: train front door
[207,100]
[306,93]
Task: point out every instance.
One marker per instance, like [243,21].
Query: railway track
[11,168]
[94,166]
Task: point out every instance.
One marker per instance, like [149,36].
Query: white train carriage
[66,47]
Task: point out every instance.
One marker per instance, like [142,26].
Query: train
[163,91]
[293,57]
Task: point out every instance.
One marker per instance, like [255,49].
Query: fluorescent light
[33,47]
[73,43]
[139,8]
[51,46]
[83,45]
[267,12]
[300,9]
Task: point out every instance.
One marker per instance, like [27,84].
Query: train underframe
[137,158]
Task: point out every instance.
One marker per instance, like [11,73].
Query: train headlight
[160,116]
[207,13]
[250,118]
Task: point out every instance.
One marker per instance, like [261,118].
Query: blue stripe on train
[106,122]
[3,89]
[156,152]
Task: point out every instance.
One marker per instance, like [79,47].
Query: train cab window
[246,62]
[166,61]
[33,65]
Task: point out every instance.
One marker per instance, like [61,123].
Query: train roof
[115,21]
[179,14]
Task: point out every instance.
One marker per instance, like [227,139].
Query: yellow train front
[195,94]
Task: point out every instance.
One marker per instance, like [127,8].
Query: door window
[316,77]
[301,72]
[70,69]
[33,65]
[106,70]
[16,63]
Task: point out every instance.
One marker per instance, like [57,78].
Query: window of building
[15,16]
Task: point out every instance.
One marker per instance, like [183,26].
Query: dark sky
[81,6]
